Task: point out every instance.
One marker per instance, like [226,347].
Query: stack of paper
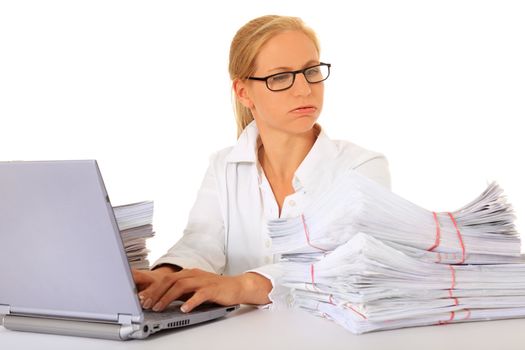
[135,225]
[481,232]
[371,260]
[366,285]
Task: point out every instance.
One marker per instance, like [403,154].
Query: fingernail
[156,307]
[147,303]
[184,308]
[141,297]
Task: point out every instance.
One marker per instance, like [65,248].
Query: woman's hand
[158,288]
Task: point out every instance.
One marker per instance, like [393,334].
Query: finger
[141,278]
[156,290]
[197,299]
[220,290]
[178,289]
[153,292]
[187,273]
[161,286]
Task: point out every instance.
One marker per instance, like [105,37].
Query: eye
[279,78]
[312,72]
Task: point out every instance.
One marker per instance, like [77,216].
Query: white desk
[250,328]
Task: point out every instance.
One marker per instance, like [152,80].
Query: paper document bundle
[371,260]
[357,204]
[135,224]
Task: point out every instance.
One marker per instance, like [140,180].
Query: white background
[437,86]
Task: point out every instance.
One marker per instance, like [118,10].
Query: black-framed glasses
[283,81]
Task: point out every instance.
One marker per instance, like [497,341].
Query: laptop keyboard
[174,309]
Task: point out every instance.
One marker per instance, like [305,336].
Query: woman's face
[296,109]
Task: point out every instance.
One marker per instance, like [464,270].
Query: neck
[281,153]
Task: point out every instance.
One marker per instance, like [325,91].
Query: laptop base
[68,327]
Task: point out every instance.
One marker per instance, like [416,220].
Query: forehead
[290,49]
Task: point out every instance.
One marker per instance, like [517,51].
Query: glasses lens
[317,73]
[280,81]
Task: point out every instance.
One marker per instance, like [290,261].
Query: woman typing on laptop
[281,160]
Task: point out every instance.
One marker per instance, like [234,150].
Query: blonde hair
[246,45]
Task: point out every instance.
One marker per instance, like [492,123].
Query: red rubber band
[453,277]
[307,234]
[456,302]
[452,314]
[460,238]
[468,314]
[438,233]
[349,306]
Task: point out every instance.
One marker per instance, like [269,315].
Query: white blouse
[226,231]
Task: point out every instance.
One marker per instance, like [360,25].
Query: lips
[304,109]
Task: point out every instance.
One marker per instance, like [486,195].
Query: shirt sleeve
[279,295]
[202,243]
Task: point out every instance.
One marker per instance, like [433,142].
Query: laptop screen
[60,250]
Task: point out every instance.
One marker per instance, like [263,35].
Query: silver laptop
[63,267]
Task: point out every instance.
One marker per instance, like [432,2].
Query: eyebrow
[311,62]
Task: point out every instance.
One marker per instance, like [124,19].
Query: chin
[301,125]
[290,124]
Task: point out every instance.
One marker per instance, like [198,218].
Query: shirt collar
[323,153]
[309,171]
[246,148]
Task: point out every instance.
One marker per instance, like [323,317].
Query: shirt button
[268,259]
[268,243]
[291,203]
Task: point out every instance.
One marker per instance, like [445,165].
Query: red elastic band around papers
[453,277]
[438,237]
[468,314]
[452,314]
[349,306]
[456,303]
[453,284]
[312,275]
[307,234]
[460,238]
[438,233]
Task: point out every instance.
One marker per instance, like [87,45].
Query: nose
[301,87]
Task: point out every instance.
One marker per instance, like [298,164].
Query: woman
[281,161]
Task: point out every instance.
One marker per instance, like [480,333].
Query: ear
[241,91]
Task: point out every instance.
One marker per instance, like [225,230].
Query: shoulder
[219,158]
[370,163]
[218,161]
[356,155]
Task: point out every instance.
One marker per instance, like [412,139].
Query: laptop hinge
[127,327]
[124,319]
[5,309]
